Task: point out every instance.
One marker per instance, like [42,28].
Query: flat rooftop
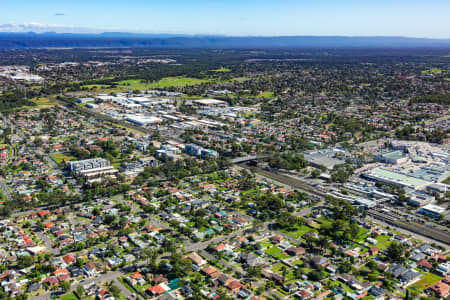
[210,102]
[398,178]
[393,155]
[434,208]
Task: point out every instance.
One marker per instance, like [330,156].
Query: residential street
[110,276]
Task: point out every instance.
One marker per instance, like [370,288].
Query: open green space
[266,244]
[60,158]
[447,181]
[276,253]
[432,71]
[297,231]
[69,296]
[43,102]
[272,251]
[362,234]
[240,79]
[289,273]
[383,242]
[222,69]
[177,81]
[180,81]
[266,94]
[426,281]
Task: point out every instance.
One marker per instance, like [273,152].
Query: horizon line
[222,35]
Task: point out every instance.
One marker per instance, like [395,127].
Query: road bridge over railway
[244,159]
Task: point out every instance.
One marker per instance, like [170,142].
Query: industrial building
[393,158]
[210,103]
[142,120]
[395,178]
[419,198]
[324,157]
[432,210]
[438,189]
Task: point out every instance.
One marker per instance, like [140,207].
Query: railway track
[294,183]
[432,233]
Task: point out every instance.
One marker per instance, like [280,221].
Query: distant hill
[118,39]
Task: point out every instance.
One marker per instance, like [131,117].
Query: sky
[413,18]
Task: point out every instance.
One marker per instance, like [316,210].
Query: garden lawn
[272,251]
[69,296]
[280,256]
[383,242]
[266,244]
[277,268]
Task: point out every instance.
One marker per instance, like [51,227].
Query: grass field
[179,81]
[432,71]
[69,296]
[362,234]
[272,251]
[426,280]
[163,83]
[43,102]
[383,242]
[298,232]
[280,256]
[276,253]
[266,94]
[60,157]
[240,79]
[222,69]
[278,269]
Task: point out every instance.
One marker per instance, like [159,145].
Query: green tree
[80,291]
[395,252]
[65,286]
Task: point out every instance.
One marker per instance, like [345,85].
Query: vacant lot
[60,158]
[426,281]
